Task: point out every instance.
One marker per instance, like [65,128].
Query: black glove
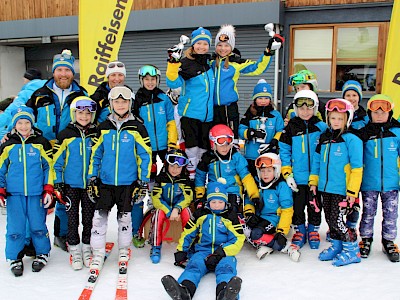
[175,54]
[276,38]
[140,190]
[273,147]
[199,203]
[255,133]
[252,220]
[345,207]
[279,241]
[213,259]
[258,204]
[59,192]
[180,259]
[93,189]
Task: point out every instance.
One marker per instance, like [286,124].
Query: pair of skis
[122,283]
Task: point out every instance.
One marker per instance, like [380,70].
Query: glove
[180,259]
[345,207]
[274,43]
[140,190]
[292,183]
[58,192]
[213,259]
[258,204]
[3,197]
[255,133]
[315,203]
[279,241]
[199,203]
[175,54]
[93,189]
[252,220]
[48,200]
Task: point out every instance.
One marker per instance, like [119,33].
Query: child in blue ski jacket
[261,124]
[220,238]
[26,177]
[337,172]
[381,175]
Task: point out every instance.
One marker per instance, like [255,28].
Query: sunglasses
[263,162]
[120,92]
[223,140]
[337,104]
[149,70]
[86,104]
[385,105]
[299,102]
[173,159]
[115,64]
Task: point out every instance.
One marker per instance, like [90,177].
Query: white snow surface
[274,277]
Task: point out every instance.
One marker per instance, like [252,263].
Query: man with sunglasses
[51,107]
[116,75]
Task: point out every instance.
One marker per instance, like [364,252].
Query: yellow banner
[101,29]
[391,75]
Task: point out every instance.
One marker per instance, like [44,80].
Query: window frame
[382,40]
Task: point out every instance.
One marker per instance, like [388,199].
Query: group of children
[288,165]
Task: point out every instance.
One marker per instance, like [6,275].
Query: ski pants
[60,220]
[390,202]
[196,268]
[301,200]
[228,115]
[334,216]
[21,209]
[158,219]
[79,198]
[137,216]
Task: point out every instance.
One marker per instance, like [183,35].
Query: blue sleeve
[242,130]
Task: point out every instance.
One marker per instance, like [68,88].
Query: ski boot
[293,252]
[75,257]
[138,241]
[328,236]
[391,250]
[61,242]
[98,258]
[229,291]
[263,251]
[313,236]
[299,237]
[155,254]
[332,251]
[175,290]
[17,267]
[365,247]
[86,254]
[349,255]
[124,254]
[39,262]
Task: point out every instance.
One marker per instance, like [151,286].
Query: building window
[340,52]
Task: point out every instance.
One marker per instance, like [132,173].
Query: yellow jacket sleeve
[172,71]
[285,219]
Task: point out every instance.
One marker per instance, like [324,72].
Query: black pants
[79,198]
[301,200]
[228,115]
[161,154]
[196,133]
[120,195]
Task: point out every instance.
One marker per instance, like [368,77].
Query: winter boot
[61,242]
[391,250]
[175,290]
[17,267]
[39,262]
[365,247]
[231,290]
[332,251]
[86,254]
[98,258]
[263,251]
[124,254]
[349,255]
[138,241]
[313,236]
[155,254]
[75,256]
[299,237]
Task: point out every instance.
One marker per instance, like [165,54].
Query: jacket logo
[271,199]
[338,152]
[125,139]
[392,147]
[161,111]
[31,152]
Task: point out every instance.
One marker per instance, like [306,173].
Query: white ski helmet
[302,96]
[268,160]
[340,105]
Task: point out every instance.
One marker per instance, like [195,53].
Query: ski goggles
[377,104]
[86,104]
[120,92]
[63,56]
[112,65]
[299,102]
[223,140]
[300,78]
[263,162]
[173,159]
[149,70]
[338,104]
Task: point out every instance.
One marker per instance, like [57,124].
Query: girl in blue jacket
[195,77]
[337,172]
[71,163]
[381,175]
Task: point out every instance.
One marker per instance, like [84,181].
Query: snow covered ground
[275,277]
